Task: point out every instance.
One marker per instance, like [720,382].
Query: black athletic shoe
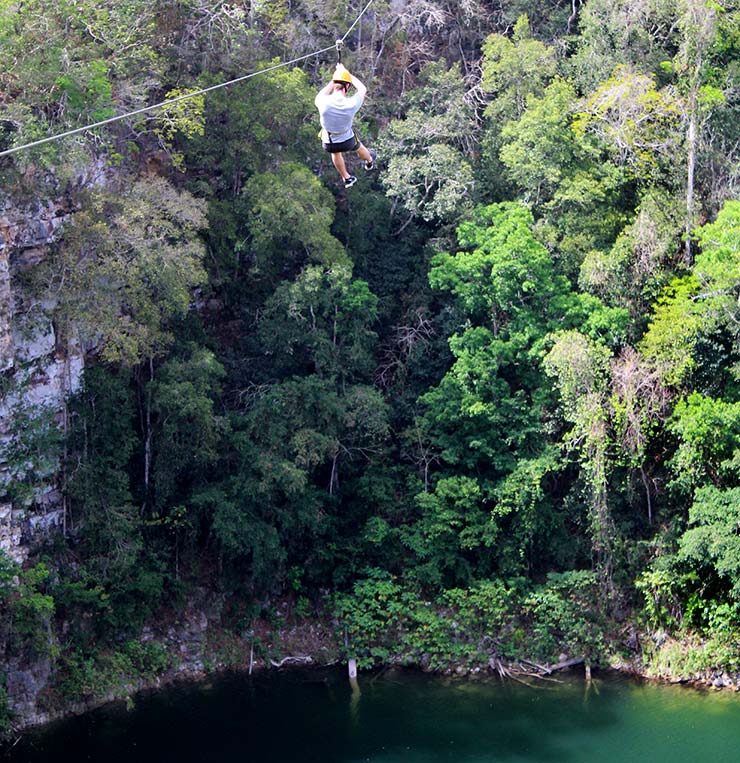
[371,164]
[349,181]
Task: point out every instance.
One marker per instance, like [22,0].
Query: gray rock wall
[6,301]
[37,375]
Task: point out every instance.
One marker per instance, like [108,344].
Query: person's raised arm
[359,86]
[326,90]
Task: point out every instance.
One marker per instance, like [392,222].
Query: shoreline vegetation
[522,671]
[437,642]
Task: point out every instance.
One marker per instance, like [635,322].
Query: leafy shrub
[384,622]
[29,609]
[563,616]
[375,616]
[85,676]
[692,657]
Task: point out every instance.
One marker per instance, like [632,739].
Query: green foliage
[663,591]
[712,540]
[91,87]
[580,367]
[565,616]
[119,583]
[187,430]
[674,328]
[506,270]
[708,431]
[695,307]
[636,268]
[126,268]
[69,63]
[450,531]
[6,713]
[88,676]
[6,716]
[386,622]
[185,117]
[635,120]
[484,608]
[540,147]
[321,323]
[374,616]
[484,415]
[718,265]
[29,610]
[514,69]
[104,436]
[149,658]
[428,171]
[290,216]
[254,127]
[32,457]
[613,33]
[694,658]
[312,387]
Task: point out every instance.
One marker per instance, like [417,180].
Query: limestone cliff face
[37,374]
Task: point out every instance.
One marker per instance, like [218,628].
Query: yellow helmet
[342,76]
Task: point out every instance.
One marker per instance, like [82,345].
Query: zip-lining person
[337,110]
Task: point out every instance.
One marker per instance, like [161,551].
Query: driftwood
[494,663]
[297,660]
[565,664]
[527,669]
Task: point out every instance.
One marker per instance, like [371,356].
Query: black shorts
[351,144]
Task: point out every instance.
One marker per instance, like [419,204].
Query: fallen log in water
[565,664]
[526,668]
[297,660]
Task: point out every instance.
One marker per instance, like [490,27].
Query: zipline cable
[183,97]
[356,21]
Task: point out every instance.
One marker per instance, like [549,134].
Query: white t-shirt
[337,111]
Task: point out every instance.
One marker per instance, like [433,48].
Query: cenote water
[399,717]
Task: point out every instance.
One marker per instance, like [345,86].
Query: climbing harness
[337,45]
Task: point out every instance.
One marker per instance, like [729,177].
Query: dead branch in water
[525,668]
[297,660]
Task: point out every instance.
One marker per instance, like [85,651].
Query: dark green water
[412,718]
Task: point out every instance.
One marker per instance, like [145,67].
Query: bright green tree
[483,418]
[513,69]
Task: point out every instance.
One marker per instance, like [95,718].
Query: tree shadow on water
[432,720]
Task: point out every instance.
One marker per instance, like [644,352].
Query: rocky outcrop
[24,683]
[6,301]
[37,374]
[185,639]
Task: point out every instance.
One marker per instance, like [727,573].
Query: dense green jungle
[482,407]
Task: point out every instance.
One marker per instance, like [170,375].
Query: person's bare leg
[364,154]
[338,160]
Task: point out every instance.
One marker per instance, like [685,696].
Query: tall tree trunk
[690,169]
[698,20]
[148,435]
[602,524]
